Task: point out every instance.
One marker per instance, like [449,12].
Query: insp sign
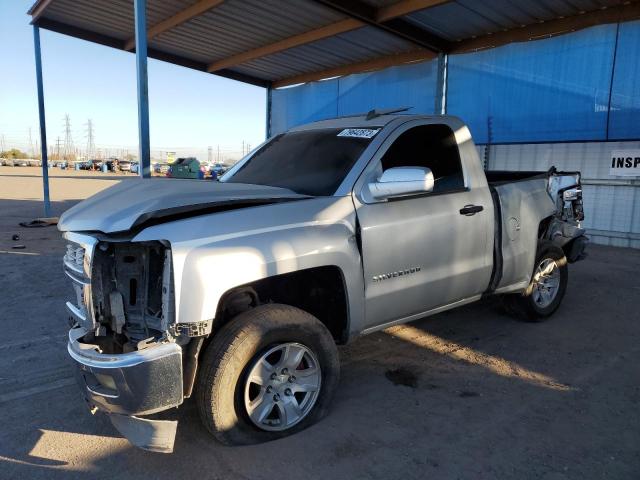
[625,163]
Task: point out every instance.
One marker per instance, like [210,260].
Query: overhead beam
[366,66]
[37,8]
[386,14]
[109,41]
[388,19]
[291,42]
[183,16]
[550,28]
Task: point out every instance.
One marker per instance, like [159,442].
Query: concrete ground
[469,394]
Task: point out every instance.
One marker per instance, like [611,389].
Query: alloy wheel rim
[282,386]
[546,282]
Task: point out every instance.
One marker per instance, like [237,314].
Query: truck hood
[136,203]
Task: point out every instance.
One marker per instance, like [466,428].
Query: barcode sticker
[359,132]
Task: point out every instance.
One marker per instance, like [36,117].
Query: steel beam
[389,20]
[43,128]
[269,111]
[179,18]
[441,85]
[144,155]
[359,67]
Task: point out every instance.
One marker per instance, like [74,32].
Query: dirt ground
[468,394]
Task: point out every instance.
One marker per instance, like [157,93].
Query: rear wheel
[270,372]
[547,288]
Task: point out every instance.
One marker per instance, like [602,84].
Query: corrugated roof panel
[475,18]
[240,25]
[359,45]
[114,19]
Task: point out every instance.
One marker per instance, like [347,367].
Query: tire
[533,305]
[225,389]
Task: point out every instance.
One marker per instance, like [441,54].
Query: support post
[268,120]
[43,128]
[144,155]
[441,85]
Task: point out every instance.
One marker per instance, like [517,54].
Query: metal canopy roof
[274,43]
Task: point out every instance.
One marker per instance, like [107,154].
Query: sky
[189,110]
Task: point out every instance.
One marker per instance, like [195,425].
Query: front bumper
[136,383]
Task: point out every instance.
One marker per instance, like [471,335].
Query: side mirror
[402,181]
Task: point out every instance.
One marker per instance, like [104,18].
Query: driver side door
[419,251]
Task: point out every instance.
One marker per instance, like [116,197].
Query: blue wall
[409,85]
[558,89]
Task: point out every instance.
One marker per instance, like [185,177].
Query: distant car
[161,168]
[135,167]
[124,165]
[188,167]
[219,169]
[20,163]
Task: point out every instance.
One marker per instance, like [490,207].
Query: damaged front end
[123,338]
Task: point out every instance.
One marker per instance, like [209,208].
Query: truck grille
[74,267]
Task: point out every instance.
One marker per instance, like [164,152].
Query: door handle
[469,210]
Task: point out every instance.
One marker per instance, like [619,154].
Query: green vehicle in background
[188,167]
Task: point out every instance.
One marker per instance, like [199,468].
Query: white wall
[611,204]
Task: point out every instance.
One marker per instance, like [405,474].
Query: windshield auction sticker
[625,163]
[359,132]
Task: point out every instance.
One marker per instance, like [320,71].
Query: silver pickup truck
[237,292]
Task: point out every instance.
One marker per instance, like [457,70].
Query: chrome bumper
[136,383]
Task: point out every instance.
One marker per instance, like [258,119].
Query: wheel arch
[320,291]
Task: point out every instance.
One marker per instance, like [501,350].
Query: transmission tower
[91,147]
[68,140]
[209,154]
[2,149]
[58,142]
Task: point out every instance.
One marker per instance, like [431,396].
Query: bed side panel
[523,205]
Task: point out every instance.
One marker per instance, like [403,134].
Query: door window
[431,146]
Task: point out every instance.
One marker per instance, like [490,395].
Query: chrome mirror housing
[402,181]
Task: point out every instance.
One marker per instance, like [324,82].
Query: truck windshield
[312,162]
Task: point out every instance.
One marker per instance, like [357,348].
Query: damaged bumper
[131,384]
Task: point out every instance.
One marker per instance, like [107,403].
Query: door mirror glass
[402,181]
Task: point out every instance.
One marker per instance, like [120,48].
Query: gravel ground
[469,394]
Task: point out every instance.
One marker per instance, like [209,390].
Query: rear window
[313,162]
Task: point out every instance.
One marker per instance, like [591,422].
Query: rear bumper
[136,383]
[576,249]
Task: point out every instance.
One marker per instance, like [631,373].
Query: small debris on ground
[402,376]
[468,393]
[15,237]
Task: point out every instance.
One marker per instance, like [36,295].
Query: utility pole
[243,148]
[210,154]
[2,149]
[218,157]
[90,142]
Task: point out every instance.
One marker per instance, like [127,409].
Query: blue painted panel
[303,104]
[548,90]
[624,118]
[404,86]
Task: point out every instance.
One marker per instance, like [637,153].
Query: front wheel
[547,288]
[270,372]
